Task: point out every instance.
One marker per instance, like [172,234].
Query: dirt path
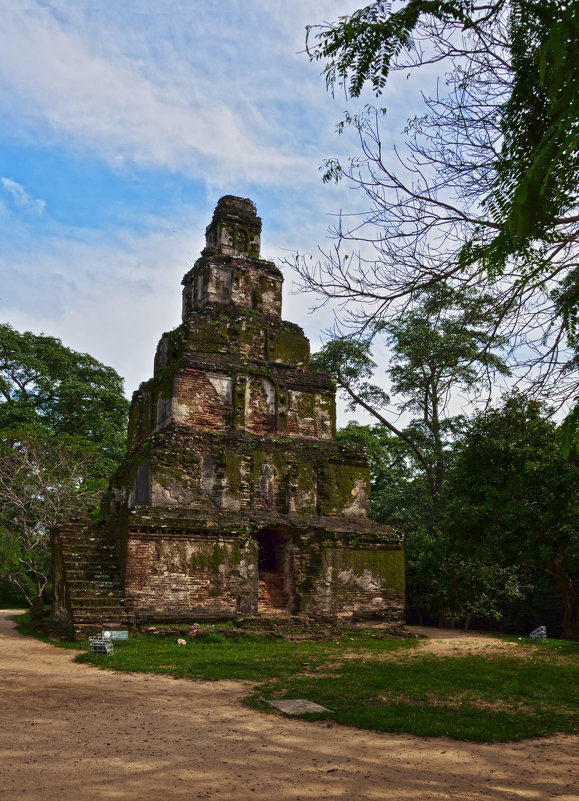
[450,642]
[71,732]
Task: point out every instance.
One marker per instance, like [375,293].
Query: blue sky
[121,125]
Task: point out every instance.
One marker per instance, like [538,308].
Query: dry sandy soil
[71,732]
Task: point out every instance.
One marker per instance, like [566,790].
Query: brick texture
[234,498]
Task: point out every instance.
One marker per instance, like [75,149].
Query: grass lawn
[382,684]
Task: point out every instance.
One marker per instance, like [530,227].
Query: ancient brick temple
[234,498]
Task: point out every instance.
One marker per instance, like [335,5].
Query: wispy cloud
[186,101]
[129,96]
[20,196]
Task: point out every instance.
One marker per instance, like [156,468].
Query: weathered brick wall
[356,582]
[209,400]
[180,576]
[203,471]
[186,577]
[232,461]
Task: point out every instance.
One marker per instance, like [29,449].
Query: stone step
[106,572]
[80,561]
[98,624]
[81,583]
[104,621]
[88,593]
[94,604]
[93,564]
[91,549]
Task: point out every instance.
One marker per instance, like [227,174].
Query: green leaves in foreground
[383,685]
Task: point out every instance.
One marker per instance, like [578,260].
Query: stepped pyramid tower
[234,498]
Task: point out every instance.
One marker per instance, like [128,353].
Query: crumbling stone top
[230,273]
[235,228]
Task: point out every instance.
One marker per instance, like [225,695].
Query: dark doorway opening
[275,566]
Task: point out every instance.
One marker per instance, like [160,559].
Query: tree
[45,478]
[399,494]
[62,433]
[482,190]
[439,349]
[513,498]
[48,386]
[454,585]
[444,583]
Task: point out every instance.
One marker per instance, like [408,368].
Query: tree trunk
[570,600]
[571,616]
[37,609]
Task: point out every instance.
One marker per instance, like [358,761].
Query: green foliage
[445,583]
[484,191]
[349,362]
[382,684]
[45,478]
[400,495]
[513,497]
[442,343]
[453,584]
[538,165]
[569,431]
[539,162]
[62,432]
[439,348]
[362,47]
[48,386]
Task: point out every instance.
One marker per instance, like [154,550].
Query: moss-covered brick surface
[234,438]
[169,351]
[343,487]
[192,578]
[286,345]
[385,565]
[361,583]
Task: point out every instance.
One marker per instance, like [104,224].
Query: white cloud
[20,196]
[217,92]
[111,297]
[153,95]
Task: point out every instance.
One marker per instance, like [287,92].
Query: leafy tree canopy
[438,349]
[62,432]
[512,497]
[45,385]
[539,160]
[45,477]
[481,189]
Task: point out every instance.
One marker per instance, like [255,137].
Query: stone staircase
[91,572]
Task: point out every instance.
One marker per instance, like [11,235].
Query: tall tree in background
[62,433]
[444,583]
[482,189]
[441,348]
[45,478]
[513,498]
[49,387]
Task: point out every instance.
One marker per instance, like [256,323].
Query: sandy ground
[71,732]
